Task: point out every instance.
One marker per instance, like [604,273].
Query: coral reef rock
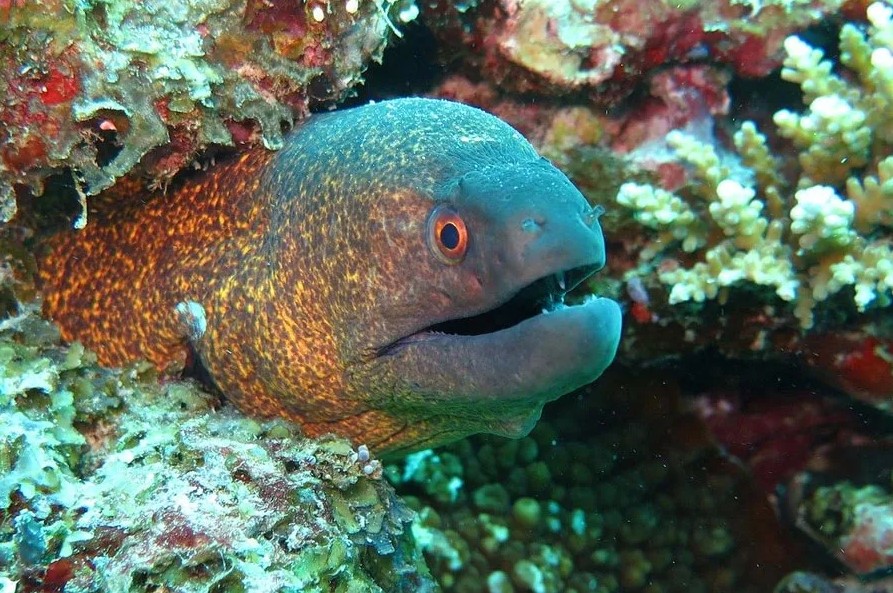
[104,88]
[110,481]
[603,48]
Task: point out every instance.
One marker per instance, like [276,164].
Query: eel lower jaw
[548,351]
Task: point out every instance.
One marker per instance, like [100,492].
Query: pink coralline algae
[870,545]
[603,49]
[775,435]
[104,89]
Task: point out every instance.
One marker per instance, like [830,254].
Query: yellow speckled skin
[310,264]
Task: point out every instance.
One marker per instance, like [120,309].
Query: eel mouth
[541,296]
[523,352]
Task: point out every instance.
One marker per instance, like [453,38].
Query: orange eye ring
[447,235]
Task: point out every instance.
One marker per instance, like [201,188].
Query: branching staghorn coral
[829,232]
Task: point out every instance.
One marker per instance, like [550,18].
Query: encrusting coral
[109,87]
[856,521]
[110,481]
[603,49]
[807,240]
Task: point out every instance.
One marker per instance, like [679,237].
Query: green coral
[39,443]
[749,245]
[852,521]
[659,209]
[828,233]
[569,509]
[138,486]
[831,510]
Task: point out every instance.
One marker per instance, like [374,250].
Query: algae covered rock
[110,481]
[107,87]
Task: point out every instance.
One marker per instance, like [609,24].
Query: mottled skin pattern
[312,267]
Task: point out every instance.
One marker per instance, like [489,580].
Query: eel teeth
[561,283]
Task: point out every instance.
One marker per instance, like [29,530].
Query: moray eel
[394,274]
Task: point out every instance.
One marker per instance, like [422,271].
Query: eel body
[394,274]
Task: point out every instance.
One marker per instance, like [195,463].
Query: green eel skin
[327,282]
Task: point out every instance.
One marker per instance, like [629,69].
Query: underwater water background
[740,440]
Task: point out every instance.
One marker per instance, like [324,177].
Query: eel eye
[447,235]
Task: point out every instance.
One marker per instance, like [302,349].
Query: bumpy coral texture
[604,48]
[856,521]
[111,482]
[828,231]
[602,497]
[107,87]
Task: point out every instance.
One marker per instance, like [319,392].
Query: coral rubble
[104,88]
[857,522]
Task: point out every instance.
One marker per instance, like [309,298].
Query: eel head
[476,336]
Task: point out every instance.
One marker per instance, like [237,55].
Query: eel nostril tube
[591,217]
